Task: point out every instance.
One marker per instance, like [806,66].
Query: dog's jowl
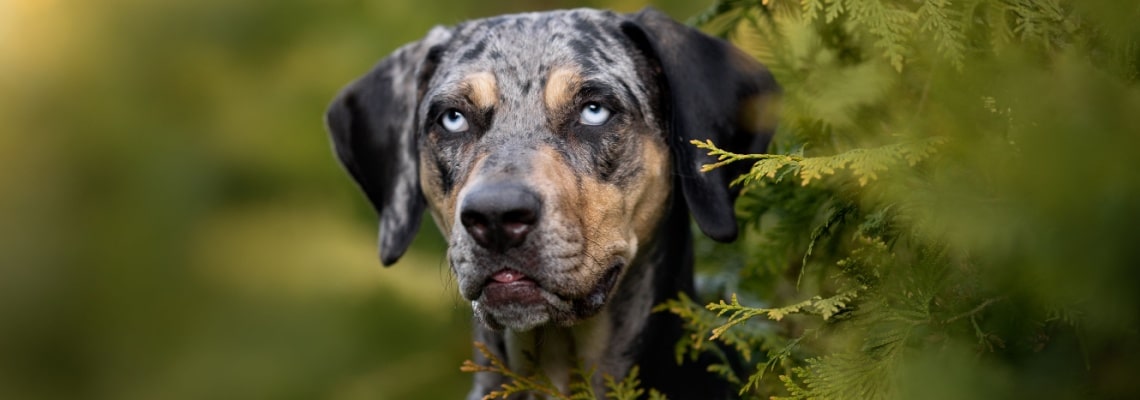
[552,150]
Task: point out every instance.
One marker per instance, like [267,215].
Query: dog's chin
[522,305]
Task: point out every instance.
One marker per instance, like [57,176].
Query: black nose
[499,217]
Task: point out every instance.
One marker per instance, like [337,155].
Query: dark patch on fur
[474,52]
[629,96]
[446,175]
[583,52]
[602,55]
[607,165]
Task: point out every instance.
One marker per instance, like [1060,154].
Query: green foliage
[628,388]
[863,163]
[947,208]
[700,323]
[825,308]
[539,384]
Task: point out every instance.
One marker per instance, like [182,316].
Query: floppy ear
[712,91]
[372,123]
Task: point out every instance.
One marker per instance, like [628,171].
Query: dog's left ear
[712,92]
[372,123]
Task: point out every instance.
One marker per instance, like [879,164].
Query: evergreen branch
[726,157]
[518,384]
[795,391]
[892,26]
[833,305]
[699,322]
[696,320]
[811,9]
[626,389]
[838,214]
[834,10]
[725,371]
[775,357]
[864,164]
[975,310]
[738,313]
[947,26]
[913,284]
[580,389]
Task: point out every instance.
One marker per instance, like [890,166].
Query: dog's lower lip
[509,286]
[521,291]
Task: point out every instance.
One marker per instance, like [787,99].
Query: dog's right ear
[712,90]
[372,123]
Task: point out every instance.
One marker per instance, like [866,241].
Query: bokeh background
[173,224]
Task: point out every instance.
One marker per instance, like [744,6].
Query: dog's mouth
[509,287]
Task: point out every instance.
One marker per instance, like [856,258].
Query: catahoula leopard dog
[553,152]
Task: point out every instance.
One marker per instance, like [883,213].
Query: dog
[553,152]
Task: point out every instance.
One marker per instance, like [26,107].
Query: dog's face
[540,144]
[543,162]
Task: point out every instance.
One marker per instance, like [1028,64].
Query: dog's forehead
[521,48]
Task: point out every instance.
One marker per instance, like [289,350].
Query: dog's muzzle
[510,270]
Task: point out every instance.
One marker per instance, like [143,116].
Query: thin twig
[975,310]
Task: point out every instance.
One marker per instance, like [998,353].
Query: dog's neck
[558,352]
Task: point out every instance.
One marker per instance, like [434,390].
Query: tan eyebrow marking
[560,87]
[483,89]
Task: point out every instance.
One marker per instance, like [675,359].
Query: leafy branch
[699,323]
[864,164]
[628,388]
[517,384]
[737,313]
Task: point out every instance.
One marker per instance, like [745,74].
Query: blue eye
[594,114]
[453,121]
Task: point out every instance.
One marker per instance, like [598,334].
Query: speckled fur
[613,197]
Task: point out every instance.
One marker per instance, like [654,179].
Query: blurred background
[173,223]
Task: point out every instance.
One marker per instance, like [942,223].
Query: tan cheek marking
[555,179]
[593,208]
[603,219]
[611,219]
[619,220]
[570,206]
[483,89]
[652,189]
[561,85]
[430,184]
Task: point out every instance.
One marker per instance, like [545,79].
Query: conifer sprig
[628,388]
[518,383]
[864,164]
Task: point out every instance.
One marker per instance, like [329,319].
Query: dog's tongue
[507,276]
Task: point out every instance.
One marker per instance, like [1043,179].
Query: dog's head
[546,146]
